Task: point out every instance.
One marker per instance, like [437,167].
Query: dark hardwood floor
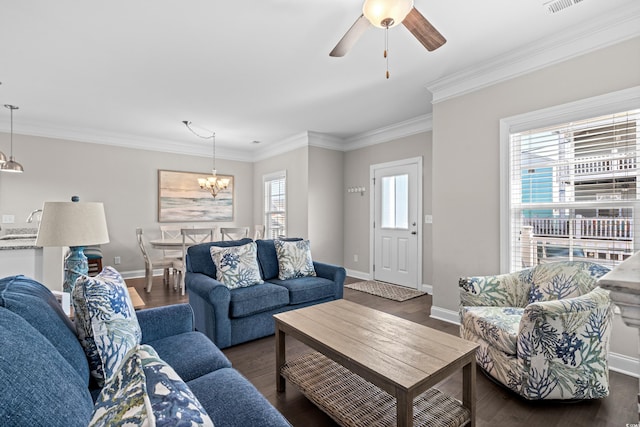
[496,405]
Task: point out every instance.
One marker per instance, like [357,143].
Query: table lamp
[74,224]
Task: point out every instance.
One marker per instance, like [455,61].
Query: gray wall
[466,158]
[314,197]
[125,180]
[326,186]
[296,164]
[356,207]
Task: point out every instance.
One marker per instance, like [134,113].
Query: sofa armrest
[503,290]
[162,322]
[332,272]
[210,300]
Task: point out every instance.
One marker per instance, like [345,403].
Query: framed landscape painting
[180,198]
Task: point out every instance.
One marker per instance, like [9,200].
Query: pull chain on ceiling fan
[387,14]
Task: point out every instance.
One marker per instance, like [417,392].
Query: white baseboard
[617,362]
[427,288]
[624,364]
[445,315]
[358,274]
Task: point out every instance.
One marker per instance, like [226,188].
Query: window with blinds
[574,192]
[275,205]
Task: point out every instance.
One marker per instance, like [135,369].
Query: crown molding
[323,140]
[620,25]
[288,144]
[92,136]
[423,123]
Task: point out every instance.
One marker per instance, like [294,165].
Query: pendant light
[11,165]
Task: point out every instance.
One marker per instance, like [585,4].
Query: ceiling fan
[387,14]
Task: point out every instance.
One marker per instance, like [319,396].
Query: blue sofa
[231,317]
[44,373]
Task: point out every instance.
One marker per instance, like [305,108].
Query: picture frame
[180,198]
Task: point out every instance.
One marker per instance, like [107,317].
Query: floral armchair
[544,331]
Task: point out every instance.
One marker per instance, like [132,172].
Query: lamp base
[75,265]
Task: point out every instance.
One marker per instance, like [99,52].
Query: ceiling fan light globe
[381,12]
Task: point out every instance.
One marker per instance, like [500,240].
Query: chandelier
[212,183]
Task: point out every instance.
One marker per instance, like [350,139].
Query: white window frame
[266,212]
[627,99]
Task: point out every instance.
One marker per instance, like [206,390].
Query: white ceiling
[127,72]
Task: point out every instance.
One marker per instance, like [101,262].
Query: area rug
[385,290]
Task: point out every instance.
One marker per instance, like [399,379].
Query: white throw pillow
[294,259]
[237,266]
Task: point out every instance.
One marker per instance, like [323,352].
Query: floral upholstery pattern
[106,321]
[561,337]
[237,266]
[146,391]
[294,259]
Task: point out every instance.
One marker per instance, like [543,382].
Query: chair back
[234,233]
[258,232]
[171,232]
[140,239]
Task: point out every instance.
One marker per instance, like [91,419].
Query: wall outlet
[355,258]
[8,219]
[116,260]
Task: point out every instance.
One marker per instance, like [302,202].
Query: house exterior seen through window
[275,205]
[574,191]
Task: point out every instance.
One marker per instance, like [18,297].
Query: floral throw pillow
[106,322]
[294,259]
[146,391]
[237,266]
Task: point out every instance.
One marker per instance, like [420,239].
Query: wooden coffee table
[402,358]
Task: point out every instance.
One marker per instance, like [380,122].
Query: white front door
[396,224]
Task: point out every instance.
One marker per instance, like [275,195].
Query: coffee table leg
[469,388]
[280,358]
[404,407]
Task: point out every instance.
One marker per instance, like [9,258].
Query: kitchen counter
[19,238]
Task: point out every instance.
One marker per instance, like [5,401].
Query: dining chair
[167,264]
[190,237]
[258,232]
[234,233]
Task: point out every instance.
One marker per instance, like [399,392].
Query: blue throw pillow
[147,391]
[106,321]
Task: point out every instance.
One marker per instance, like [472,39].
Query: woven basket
[352,401]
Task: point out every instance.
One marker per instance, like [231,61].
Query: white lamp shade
[72,224]
[377,11]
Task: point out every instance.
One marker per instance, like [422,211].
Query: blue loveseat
[44,373]
[231,317]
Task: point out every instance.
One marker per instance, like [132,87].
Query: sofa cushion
[190,354]
[294,259]
[145,390]
[498,326]
[237,266]
[105,321]
[268,258]
[36,304]
[234,395]
[257,299]
[560,280]
[39,386]
[199,256]
[306,289]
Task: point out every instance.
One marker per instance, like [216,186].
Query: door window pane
[395,201]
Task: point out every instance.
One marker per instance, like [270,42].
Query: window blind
[275,205]
[574,192]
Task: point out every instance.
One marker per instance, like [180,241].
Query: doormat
[385,290]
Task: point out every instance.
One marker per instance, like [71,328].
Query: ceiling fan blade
[423,30]
[350,38]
